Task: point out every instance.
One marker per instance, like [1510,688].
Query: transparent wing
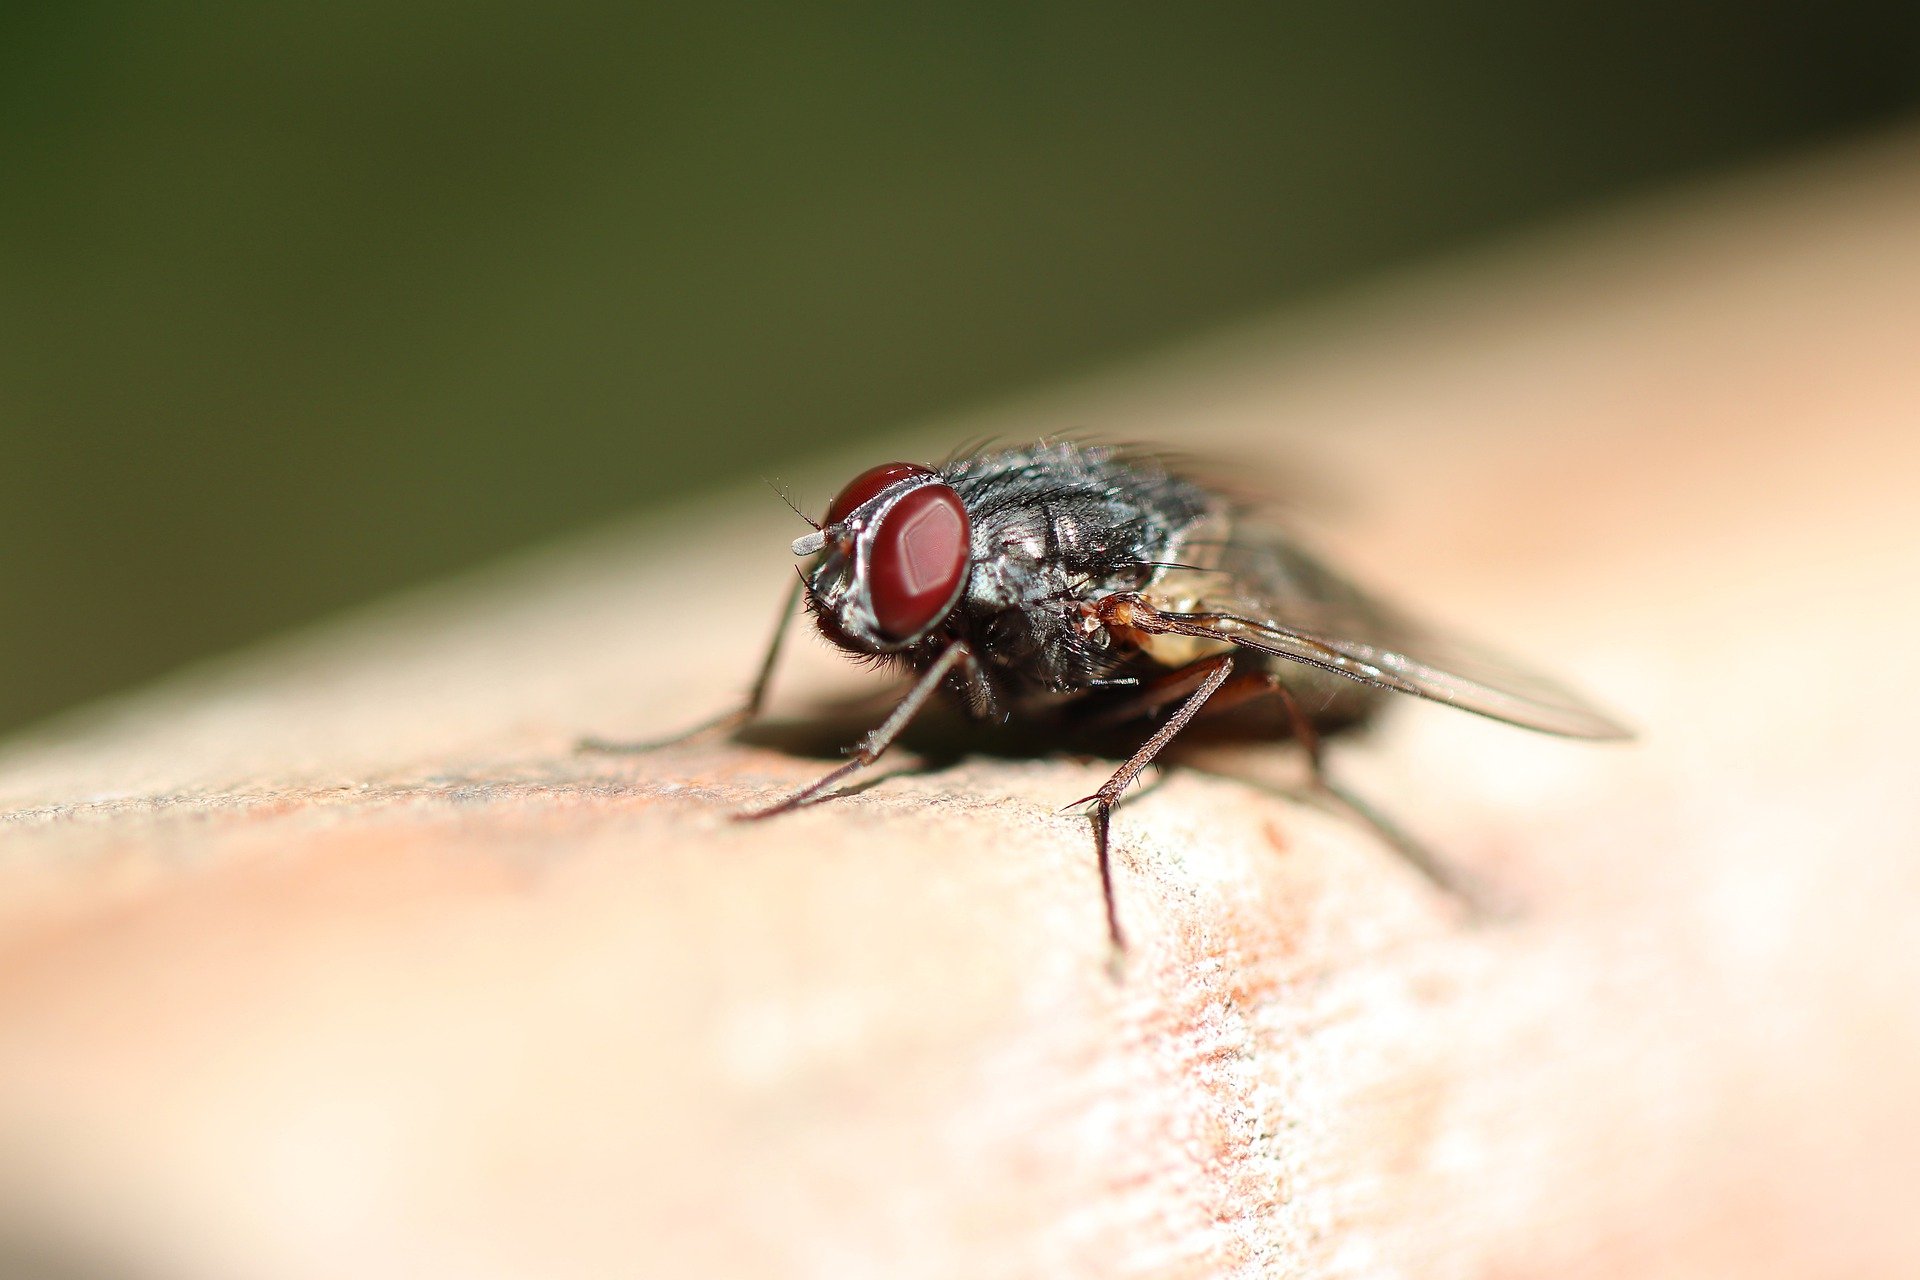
[1262,592]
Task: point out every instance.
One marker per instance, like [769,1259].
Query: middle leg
[956,656]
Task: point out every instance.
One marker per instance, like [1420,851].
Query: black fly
[1065,581]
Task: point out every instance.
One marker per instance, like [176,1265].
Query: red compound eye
[919,560]
[864,487]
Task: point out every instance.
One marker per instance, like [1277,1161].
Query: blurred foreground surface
[339,961]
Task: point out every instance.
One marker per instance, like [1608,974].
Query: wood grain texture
[336,959]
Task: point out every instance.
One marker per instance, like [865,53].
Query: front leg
[955,656]
[726,720]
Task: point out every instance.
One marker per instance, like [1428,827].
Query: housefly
[1064,583]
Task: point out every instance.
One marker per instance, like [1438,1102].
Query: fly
[1064,583]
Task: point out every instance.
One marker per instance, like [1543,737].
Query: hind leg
[1437,870]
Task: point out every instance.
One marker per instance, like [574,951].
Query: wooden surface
[334,959]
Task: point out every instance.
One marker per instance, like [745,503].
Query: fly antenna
[781,493]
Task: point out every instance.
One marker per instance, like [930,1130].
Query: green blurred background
[302,303]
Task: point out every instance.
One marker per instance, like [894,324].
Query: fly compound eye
[866,486]
[918,562]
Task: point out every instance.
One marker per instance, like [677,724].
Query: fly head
[893,557]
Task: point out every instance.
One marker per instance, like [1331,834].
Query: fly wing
[1262,592]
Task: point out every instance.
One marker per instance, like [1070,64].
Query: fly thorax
[1011,564]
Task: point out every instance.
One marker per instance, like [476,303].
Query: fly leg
[870,748]
[1213,673]
[1251,685]
[727,720]
[1442,876]
[1150,696]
